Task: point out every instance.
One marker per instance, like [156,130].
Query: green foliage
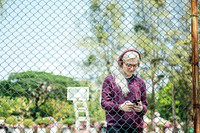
[114,13]
[95,110]
[198,8]
[91,59]
[1,2]
[39,121]
[5,108]
[37,87]
[164,99]
[141,27]
[28,123]
[166,59]
[180,75]
[164,102]
[152,71]
[24,103]
[44,121]
[61,109]
[48,120]
[33,84]
[161,125]
[93,120]
[69,121]
[158,3]
[11,120]
[95,6]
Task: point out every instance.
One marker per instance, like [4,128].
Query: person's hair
[120,59]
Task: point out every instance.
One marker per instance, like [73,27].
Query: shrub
[28,123]
[48,120]
[12,120]
[39,121]
[69,121]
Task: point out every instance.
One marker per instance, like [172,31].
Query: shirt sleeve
[107,94]
[144,98]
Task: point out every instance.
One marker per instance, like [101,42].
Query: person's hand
[139,107]
[127,106]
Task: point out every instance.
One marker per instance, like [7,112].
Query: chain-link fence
[47,46]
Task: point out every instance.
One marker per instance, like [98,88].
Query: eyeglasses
[128,65]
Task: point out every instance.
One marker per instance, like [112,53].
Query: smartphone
[136,102]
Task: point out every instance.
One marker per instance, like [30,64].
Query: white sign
[77,93]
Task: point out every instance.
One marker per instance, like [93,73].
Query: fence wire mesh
[47,46]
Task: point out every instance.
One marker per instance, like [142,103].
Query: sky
[40,35]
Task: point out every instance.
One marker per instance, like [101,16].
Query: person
[124,95]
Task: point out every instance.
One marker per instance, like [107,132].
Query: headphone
[120,60]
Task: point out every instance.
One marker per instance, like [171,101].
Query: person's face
[129,66]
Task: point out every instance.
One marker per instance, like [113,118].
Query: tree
[179,78]
[95,109]
[164,98]
[5,108]
[152,47]
[154,54]
[106,20]
[155,43]
[37,88]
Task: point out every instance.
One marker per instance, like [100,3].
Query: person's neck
[130,77]
[125,75]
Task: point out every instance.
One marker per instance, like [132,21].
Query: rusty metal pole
[195,66]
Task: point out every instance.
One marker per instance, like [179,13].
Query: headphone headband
[120,60]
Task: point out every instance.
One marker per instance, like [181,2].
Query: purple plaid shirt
[112,97]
